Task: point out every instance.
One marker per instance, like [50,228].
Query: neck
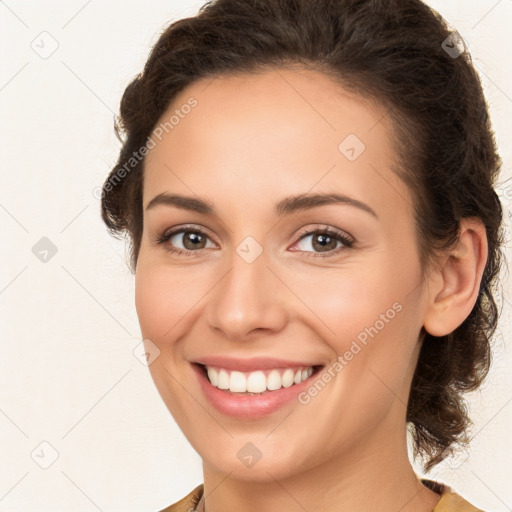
[376,475]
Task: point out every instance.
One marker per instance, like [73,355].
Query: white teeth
[223,379]
[237,382]
[213,376]
[257,381]
[273,380]
[287,378]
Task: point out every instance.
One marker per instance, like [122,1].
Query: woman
[308,193]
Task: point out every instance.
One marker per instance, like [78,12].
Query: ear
[454,286]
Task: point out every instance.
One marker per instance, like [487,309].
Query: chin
[258,462]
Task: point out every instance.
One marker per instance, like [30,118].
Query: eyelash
[348,242]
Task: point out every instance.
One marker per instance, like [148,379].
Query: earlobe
[453,288]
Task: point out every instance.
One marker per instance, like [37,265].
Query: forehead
[271,134]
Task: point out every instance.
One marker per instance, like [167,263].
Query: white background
[68,375]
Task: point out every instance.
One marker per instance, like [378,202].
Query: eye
[324,240]
[191,240]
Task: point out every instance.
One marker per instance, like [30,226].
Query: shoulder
[188,503]
[450,501]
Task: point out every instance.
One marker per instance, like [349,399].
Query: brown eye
[192,240]
[184,240]
[324,241]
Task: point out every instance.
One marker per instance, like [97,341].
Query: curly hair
[401,54]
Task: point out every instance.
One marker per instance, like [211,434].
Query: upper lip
[251,364]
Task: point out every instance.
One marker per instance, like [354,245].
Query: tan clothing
[449,502]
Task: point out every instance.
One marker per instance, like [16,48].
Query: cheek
[346,300]
[150,302]
[369,322]
[164,296]
[365,313]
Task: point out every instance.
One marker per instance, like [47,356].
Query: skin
[250,141]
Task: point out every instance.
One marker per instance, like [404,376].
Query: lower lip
[249,406]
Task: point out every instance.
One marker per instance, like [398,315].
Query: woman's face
[250,283]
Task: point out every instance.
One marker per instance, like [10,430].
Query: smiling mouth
[257,382]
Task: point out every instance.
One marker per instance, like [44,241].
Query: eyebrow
[283,207]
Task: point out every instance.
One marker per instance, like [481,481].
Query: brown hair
[399,53]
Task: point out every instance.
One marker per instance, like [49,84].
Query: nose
[248,299]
